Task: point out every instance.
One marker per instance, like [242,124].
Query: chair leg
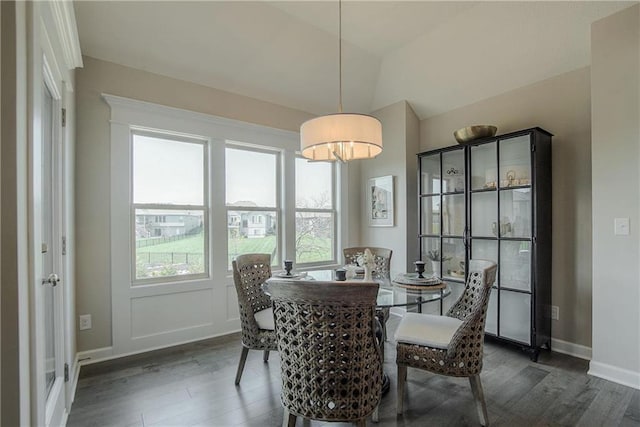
[478,394]
[265,357]
[243,359]
[306,422]
[361,423]
[402,378]
[288,420]
[375,416]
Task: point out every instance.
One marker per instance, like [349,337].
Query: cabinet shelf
[503,219]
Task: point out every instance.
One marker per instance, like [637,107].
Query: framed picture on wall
[380,207]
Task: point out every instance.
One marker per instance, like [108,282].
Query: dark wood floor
[193,385]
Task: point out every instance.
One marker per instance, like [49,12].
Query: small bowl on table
[471,133]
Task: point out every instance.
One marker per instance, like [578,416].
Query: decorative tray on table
[412,281]
[284,275]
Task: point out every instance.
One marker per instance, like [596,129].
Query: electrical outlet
[85,322]
[555,312]
[621,226]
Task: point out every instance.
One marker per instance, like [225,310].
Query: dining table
[403,290]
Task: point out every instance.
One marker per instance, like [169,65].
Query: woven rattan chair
[250,271]
[450,345]
[382,260]
[331,361]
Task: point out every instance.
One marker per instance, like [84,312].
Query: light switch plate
[621,226]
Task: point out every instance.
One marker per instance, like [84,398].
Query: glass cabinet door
[515,316]
[515,265]
[453,171]
[484,166]
[443,213]
[430,176]
[515,162]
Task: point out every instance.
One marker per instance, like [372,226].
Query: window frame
[278,209]
[334,211]
[205,208]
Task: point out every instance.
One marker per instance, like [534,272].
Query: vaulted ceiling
[436,55]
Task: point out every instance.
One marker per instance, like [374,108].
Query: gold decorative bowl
[471,133]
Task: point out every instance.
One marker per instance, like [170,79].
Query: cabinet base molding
[615,374]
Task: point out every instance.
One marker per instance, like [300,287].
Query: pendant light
[341,136]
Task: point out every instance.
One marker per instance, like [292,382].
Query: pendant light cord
[340,54]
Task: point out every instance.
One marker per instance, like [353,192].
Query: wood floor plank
[193,385]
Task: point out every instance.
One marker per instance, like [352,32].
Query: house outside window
[169,206]
[252,200]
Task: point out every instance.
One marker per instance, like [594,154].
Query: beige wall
[93,294]
[615,44]
[400,130]
[561,105]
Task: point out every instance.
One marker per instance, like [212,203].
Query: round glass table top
[389,293]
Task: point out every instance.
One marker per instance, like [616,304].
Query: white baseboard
[92,356]
[107,353]
[571,349]
[615,374]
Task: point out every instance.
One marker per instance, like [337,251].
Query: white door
[49,314]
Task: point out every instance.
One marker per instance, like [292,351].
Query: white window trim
[205,207]
[127,113]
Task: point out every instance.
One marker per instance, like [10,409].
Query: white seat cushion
[427,329]
[265,319]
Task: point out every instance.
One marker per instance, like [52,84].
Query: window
[170,206]
[315,212]
[252,178]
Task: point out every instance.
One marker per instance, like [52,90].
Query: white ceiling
[436,55]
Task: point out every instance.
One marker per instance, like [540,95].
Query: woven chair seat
[264,318]
[427,330]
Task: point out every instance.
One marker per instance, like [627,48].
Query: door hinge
[66,372]
[533,147]
[64,117]
[64,245]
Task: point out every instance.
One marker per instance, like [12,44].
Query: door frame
[52,54]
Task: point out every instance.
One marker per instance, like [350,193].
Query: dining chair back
[449,345]
[331,361]
[382,262]
[250,271]
[382,259]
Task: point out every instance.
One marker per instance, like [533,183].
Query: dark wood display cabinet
[491,199]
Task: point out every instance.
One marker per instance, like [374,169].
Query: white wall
[615,93]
